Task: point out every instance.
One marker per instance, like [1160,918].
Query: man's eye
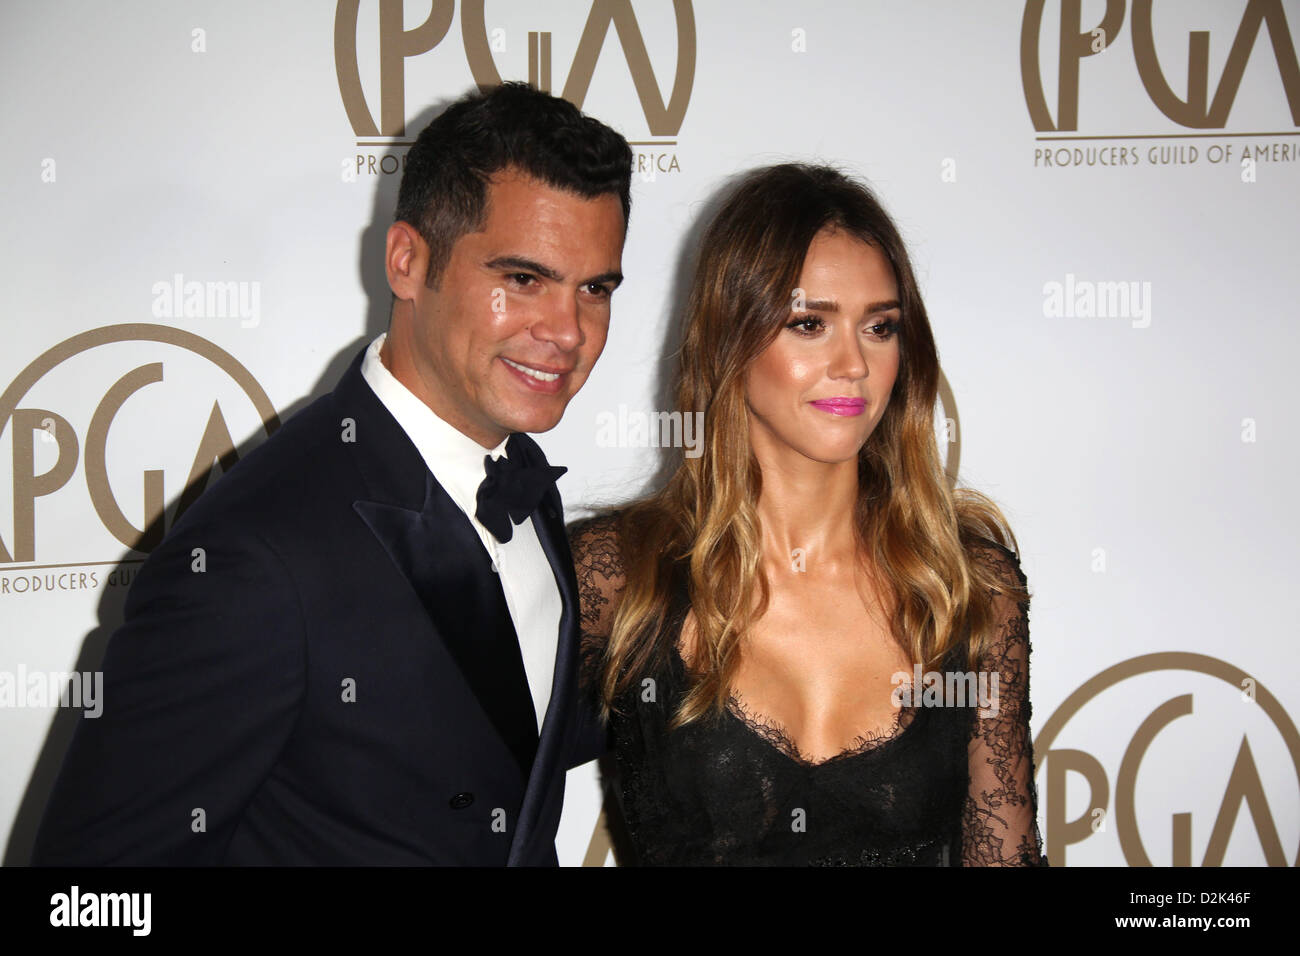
[597,289]
[522,278]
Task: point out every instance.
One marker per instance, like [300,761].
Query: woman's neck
[806,509]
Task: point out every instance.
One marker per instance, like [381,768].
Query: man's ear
[406,260]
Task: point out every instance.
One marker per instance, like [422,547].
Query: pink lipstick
[841,406]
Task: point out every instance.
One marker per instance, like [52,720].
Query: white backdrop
[1113,296]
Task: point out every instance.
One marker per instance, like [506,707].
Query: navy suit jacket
[285,690]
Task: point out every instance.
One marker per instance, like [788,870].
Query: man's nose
[559,322]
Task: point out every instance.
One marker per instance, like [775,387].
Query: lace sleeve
[599,568]
[1000,821]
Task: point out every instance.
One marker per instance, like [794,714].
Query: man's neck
[406,373]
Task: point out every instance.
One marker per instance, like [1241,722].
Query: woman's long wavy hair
[912,528]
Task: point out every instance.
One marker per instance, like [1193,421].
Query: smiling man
[360,646]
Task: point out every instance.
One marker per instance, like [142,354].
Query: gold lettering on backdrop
[1243,786]
[1075,43]
[214,445]
[1061,832]
[1194,111]
[396,44]
[663,120]
[1197,111]
[217,445]
[28,486]
[110,514]
[599,847]
[948,403]
[1126,783]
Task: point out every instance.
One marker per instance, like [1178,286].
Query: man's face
[521,310]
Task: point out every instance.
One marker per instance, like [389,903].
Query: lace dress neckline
[773,733]
[956,787]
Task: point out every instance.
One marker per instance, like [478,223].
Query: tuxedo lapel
[434,545]
[548,520]
[440,554]
[435,548]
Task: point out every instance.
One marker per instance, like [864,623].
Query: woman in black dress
[809,648]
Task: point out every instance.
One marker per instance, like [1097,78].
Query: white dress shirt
[456,460]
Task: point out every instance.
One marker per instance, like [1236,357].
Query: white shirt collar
[455,459]
[528,582]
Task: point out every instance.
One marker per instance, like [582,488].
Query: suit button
[461,801]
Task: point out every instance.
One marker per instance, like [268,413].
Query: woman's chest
[828,677]
[729,783]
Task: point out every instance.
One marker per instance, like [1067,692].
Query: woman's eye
[884,331]
[805,325]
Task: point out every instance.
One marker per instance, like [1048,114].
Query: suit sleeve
[202,685]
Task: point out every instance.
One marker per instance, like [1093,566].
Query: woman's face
[821,387]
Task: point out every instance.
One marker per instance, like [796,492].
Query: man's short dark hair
[444,186]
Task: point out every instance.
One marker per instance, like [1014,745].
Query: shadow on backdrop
[370,266]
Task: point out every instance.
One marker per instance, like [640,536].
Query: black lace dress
[943,786]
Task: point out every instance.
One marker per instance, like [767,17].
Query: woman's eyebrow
[831,305]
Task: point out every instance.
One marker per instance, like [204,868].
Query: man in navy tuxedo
[360,645]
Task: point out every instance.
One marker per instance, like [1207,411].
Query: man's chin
[534,421]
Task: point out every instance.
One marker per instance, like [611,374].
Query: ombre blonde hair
[914,530]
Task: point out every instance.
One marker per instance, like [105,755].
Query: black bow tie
[514,486]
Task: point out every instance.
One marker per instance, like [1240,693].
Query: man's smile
[539,379]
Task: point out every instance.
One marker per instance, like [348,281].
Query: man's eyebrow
[830,305]
[614,277]
[520,264]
